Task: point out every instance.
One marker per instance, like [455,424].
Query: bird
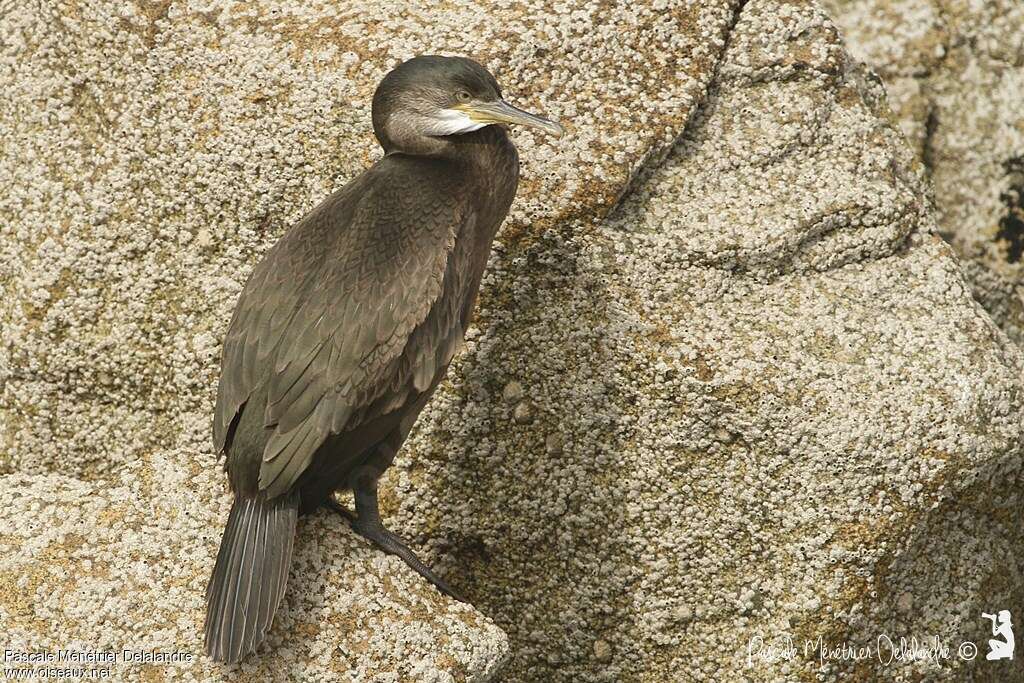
[346,327]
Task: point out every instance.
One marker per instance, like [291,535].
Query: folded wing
[355,304]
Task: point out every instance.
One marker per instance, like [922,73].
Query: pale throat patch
[451,122]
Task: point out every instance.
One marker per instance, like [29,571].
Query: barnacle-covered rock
[782,415]
[955,73]
[151,153]
[755,402]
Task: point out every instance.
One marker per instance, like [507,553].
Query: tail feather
[250,576]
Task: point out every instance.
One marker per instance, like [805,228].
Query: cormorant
[348,324]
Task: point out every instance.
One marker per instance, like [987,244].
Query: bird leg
[367,523]
[332,504]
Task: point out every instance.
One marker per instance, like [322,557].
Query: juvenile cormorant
[348,324]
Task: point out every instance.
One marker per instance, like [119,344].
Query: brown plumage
[348,324]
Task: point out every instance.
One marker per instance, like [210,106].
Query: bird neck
[487,151]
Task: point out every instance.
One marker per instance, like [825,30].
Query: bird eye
[463,96]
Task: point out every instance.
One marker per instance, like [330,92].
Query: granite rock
[761,399]
[152,152]
[955,73]
[121,564]
[781,409]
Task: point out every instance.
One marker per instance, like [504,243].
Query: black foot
[388,542]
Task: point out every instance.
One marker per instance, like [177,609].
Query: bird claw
[390,543]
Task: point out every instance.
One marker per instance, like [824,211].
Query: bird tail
[250,576]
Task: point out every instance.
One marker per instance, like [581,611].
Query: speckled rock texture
[954,71]
[763,404]
[756,400]
[119,564]
[151,152]
[157,149]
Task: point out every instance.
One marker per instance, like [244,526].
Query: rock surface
[781,412]
[178,142]
[152,152]
[110,565]
[758,400]
[955,73]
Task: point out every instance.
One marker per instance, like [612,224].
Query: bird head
[429,98]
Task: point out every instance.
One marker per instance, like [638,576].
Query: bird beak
[500,111]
